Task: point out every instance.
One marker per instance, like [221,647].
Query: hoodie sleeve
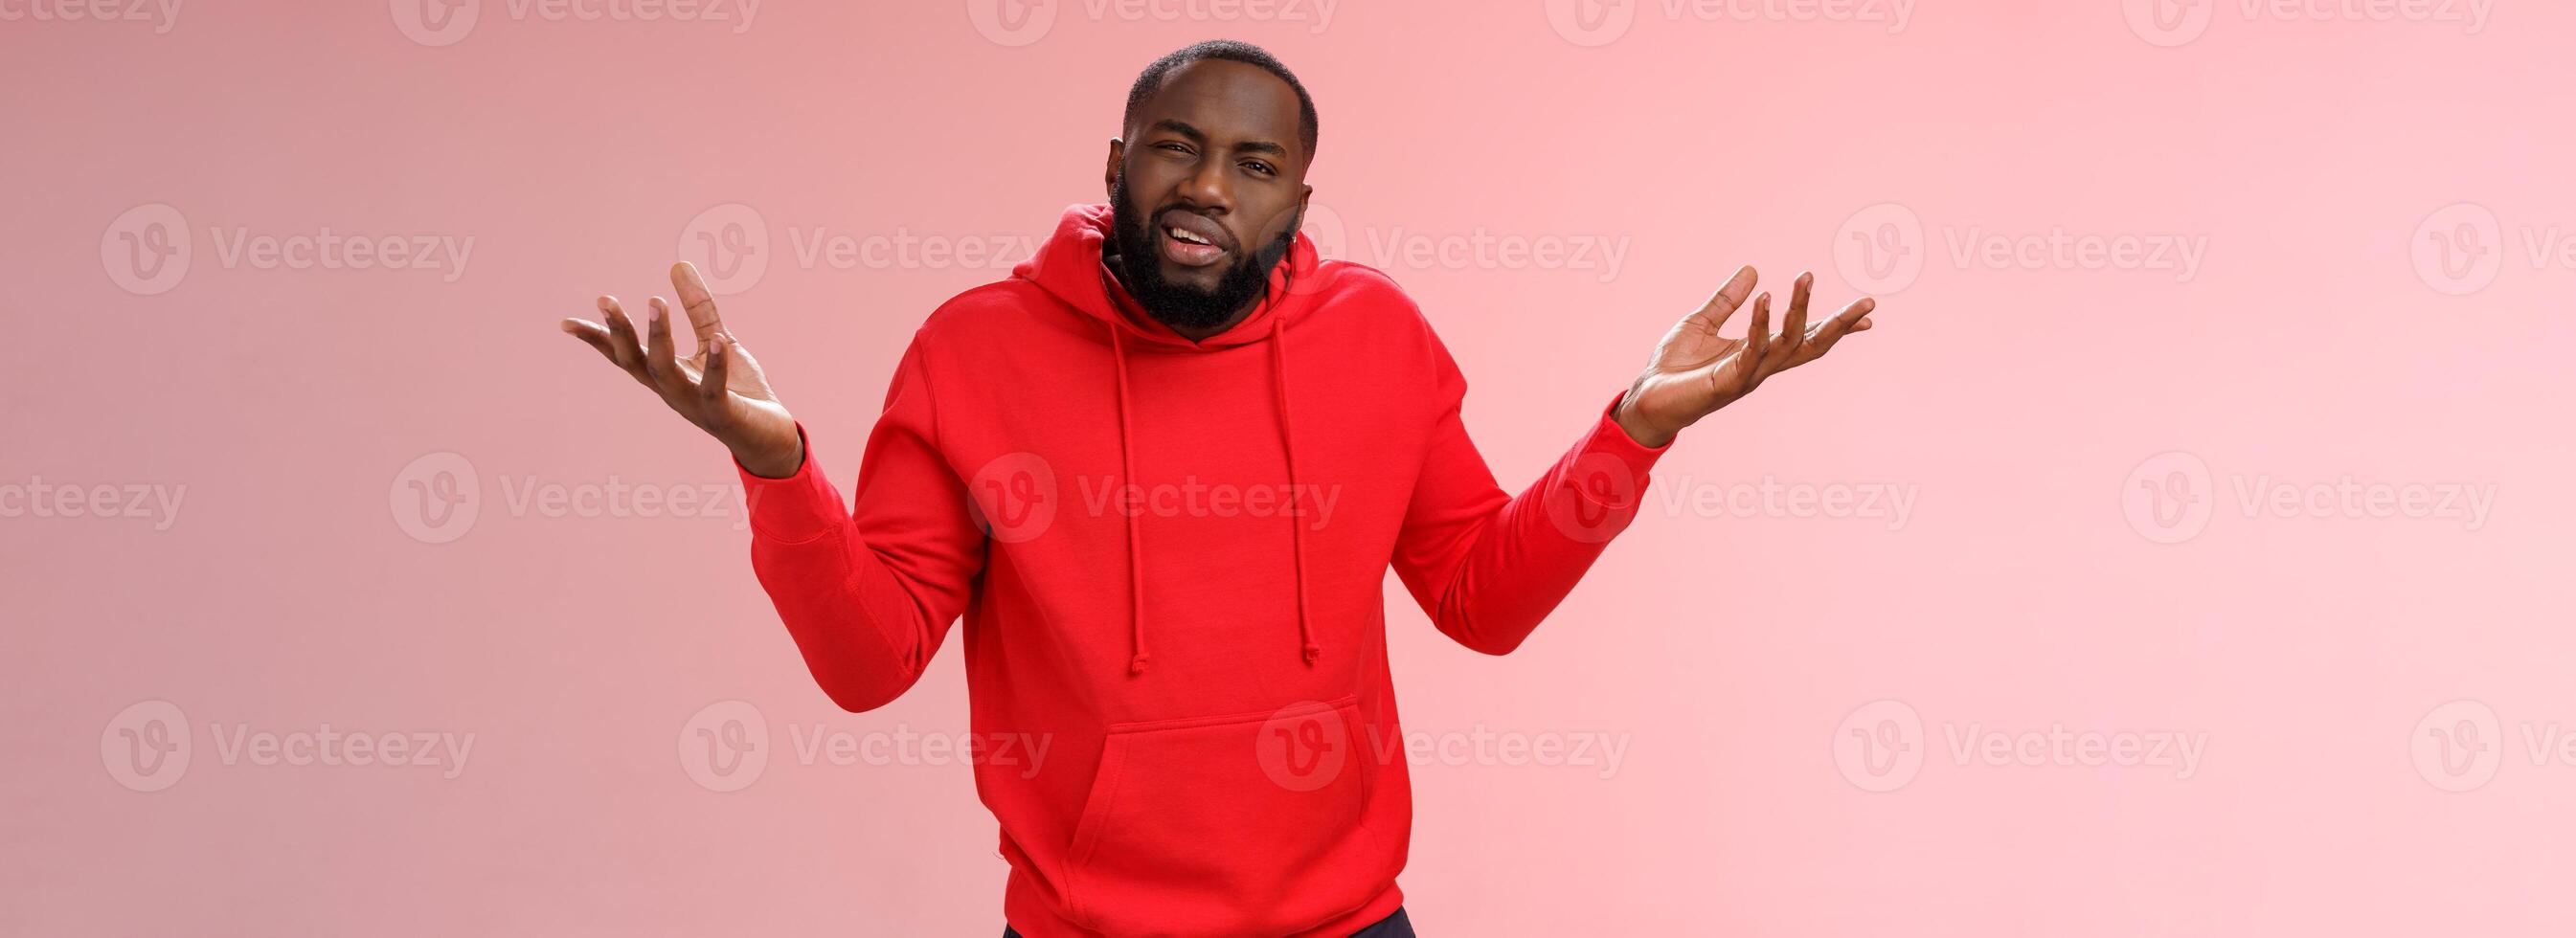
[870,592]
[1486,566]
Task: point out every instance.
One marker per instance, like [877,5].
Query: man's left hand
[1696,371]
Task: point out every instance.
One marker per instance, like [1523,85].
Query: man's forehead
[1225,100]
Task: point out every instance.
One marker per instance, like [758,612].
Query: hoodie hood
[1072,266]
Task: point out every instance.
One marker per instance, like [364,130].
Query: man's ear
[1109,174]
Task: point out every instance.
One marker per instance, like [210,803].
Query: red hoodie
[1169,556]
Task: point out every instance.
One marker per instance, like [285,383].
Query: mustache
[1178,304]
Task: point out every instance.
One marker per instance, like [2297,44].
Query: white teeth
[1186,236]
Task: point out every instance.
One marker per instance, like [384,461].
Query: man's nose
[1208,189]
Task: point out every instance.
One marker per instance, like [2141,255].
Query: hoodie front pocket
[1240,824]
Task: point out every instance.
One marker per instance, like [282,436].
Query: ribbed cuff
[797,508]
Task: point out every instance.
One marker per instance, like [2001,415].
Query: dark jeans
[1392,926]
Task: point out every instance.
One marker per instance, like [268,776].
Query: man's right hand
[720,388]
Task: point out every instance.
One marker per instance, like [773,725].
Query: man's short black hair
[1151,80]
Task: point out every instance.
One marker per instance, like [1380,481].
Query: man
[1162,471]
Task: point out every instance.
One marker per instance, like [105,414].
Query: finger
[1793,330]
[711,385]
[657,356]
[1853,318]
[621,338]
[1757,336]
[700,304]
[1728,297]
[593,335]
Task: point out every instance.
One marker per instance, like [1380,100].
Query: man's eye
[1174,147]
[1261,167]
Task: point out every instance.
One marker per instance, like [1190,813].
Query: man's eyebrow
[1180,127]
[1198,136]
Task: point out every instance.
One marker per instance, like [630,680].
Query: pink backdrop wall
[2183,555]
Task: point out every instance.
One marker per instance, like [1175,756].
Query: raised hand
[720,388]
[1696,371]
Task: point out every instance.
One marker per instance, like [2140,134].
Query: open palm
[720,387]
[1695,370]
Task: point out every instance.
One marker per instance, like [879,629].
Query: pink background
[2032,584]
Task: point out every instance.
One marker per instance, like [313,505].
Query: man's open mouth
[1190,240]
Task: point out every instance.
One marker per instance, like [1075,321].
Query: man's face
[1207,192]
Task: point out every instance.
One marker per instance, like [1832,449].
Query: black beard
[1181,306]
